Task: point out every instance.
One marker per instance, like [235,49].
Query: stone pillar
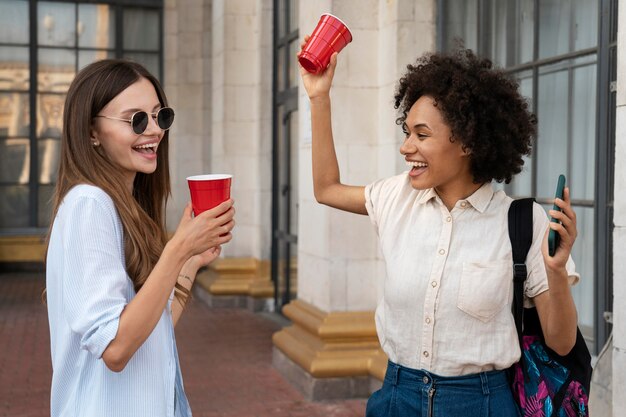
[619,233]
[331,349]
[187,83]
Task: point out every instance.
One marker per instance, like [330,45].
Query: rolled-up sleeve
[95,282]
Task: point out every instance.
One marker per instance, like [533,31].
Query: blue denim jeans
[410,392]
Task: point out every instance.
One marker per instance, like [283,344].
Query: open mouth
[417,167]
[148,149]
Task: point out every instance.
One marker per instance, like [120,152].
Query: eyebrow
[417,126]
[135,110]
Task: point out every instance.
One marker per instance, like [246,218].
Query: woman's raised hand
[566,229]
[208,230]
[317,85]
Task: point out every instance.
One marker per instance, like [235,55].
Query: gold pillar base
[22,248]
[237,276]
[327,345]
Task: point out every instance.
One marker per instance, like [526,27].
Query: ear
[93,136]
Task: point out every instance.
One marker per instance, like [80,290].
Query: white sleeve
[95,282]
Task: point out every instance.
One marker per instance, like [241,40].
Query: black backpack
[543,382]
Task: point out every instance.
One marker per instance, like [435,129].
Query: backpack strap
[521,236]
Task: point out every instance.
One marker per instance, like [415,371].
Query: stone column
[619,234]
[187,83]
[331,349]
[240,144]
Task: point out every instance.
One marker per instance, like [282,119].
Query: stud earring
[95,143]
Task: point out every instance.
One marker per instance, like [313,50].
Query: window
[564,63]
[43,44]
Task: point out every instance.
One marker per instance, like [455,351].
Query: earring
[95,143]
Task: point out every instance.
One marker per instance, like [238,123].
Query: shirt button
[442,251]
[434,284]
[425,354]
[425,380]
[448,219]
[427,320]
[463,204]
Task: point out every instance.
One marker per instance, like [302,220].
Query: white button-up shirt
[87,290]
[446,306]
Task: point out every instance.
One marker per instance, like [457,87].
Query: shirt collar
[481,197]
[479,200]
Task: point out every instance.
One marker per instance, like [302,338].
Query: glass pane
[150,61]
[555,28]
[293,170]
[280,68]
[280,14]
[14,68]
[460,23]
[14,115]
[49,156]
[512,33]
[521,186]
[585,24]
[57,68]
[87,57]
[96,26]
[14,22]
[13,206]
[141,29]
[45,205]
[56,24]
[294,69]
[552,141]
[583,255]
[50,115]
[582,178]
[14,161]
[294,14]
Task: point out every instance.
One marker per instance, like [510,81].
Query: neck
[452,194]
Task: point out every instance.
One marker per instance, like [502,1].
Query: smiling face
[435,161]
[132,153]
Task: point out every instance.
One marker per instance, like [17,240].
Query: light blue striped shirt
[87,289]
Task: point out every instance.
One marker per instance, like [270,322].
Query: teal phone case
[553,237]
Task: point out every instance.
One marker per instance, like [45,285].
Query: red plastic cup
[331,35]
[208,191]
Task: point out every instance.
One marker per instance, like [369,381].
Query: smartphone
[553,236]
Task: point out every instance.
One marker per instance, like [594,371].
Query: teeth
[148,145]
[416,164]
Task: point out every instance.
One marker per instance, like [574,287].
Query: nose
[408,146]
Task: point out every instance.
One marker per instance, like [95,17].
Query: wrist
[322,99]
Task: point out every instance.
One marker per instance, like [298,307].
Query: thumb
[333,64]
[187,214]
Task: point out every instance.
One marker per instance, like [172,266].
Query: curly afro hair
[481,105]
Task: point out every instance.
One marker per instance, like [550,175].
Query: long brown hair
[142,213]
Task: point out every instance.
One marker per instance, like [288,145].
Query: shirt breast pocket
[484,288]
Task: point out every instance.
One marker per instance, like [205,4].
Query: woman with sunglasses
[116,286]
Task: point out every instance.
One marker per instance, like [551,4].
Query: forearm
[560,331]
[325,166]
[186,279]
[141,315]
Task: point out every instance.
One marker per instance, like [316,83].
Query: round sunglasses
[139,120]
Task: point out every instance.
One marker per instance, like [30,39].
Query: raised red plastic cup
[208,191]
[331,35]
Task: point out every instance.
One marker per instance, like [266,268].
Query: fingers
[219,210]
[566,227]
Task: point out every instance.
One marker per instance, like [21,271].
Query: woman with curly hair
[445,319]
[116,286]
